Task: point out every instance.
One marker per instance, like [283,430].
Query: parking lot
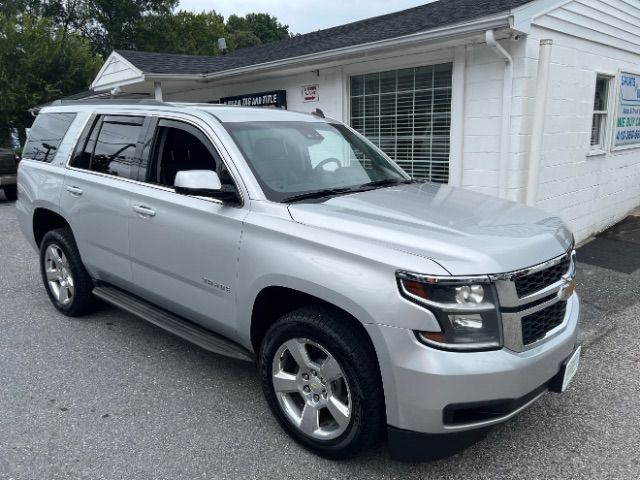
[110,396]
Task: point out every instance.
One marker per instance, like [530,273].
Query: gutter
[507,90]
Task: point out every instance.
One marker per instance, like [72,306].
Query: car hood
[465,232]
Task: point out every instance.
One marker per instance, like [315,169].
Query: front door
[184,249]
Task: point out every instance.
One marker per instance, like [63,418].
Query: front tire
[67,282]
[321,379]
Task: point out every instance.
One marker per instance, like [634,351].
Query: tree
[39,63]
[107,24]
[243,39]
[111,24]
[183,32]
[265,27]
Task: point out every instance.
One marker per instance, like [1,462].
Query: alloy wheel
[58,273]
[312,389]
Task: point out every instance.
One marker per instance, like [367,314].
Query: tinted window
[115,148]
[110,144]
[46,134]
[179,150]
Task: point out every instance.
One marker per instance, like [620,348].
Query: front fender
[356,277]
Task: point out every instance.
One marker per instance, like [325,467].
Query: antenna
[318,113]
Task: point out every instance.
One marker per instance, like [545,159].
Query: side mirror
[203,183]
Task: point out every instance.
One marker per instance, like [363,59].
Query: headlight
[465,307]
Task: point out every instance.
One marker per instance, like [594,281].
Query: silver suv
[371,302]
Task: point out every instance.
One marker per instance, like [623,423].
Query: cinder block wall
[483,118]
[590,192]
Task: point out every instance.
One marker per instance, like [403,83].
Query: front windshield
[303,159]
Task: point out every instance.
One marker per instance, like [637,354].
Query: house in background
[535,101]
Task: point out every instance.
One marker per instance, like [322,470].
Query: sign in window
[627,130]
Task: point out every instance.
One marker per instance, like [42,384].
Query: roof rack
[106,101]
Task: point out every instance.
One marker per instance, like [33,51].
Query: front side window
[46,134]
[294,160]
[178,147]
[600,111]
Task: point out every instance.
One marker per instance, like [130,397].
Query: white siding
[611,22]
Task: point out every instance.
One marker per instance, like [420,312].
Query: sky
[304,16]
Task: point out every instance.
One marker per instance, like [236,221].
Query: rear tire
[11,192]
[329,394]
[67,282]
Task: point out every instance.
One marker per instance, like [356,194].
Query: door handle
[144,211]
[75,191]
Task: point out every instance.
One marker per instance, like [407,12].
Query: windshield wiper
[385,182]
[338,191]
[328,192]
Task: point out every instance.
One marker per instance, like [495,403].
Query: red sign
[310,93]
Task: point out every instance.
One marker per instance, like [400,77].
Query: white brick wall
[483,117]
[330,92]
[588,192]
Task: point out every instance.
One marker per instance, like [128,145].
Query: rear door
[184,249]
[96,197]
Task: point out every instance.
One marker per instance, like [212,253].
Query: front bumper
[7,179]
[422,384]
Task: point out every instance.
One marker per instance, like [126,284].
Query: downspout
[456,152]
[507,89]
[542,83]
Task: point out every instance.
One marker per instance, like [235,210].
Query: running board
[172,323]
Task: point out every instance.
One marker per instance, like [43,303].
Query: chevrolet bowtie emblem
[566,291]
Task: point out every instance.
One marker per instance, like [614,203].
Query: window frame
[603,144]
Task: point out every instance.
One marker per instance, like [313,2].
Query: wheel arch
[45,220]
[273,301]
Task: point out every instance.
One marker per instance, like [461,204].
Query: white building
[536,101]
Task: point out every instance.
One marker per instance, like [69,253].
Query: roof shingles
[393,25]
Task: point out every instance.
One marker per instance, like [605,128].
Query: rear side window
[46,134]
[111,147]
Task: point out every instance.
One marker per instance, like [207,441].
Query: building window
[600,107]
[407,113]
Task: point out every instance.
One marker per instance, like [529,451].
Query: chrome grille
[531,301]
[528,284]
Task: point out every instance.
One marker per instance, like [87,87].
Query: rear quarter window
[46,134]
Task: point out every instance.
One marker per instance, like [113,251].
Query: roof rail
[318,113]
[106,101]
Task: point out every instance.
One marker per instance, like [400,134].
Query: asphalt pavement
[112,397]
